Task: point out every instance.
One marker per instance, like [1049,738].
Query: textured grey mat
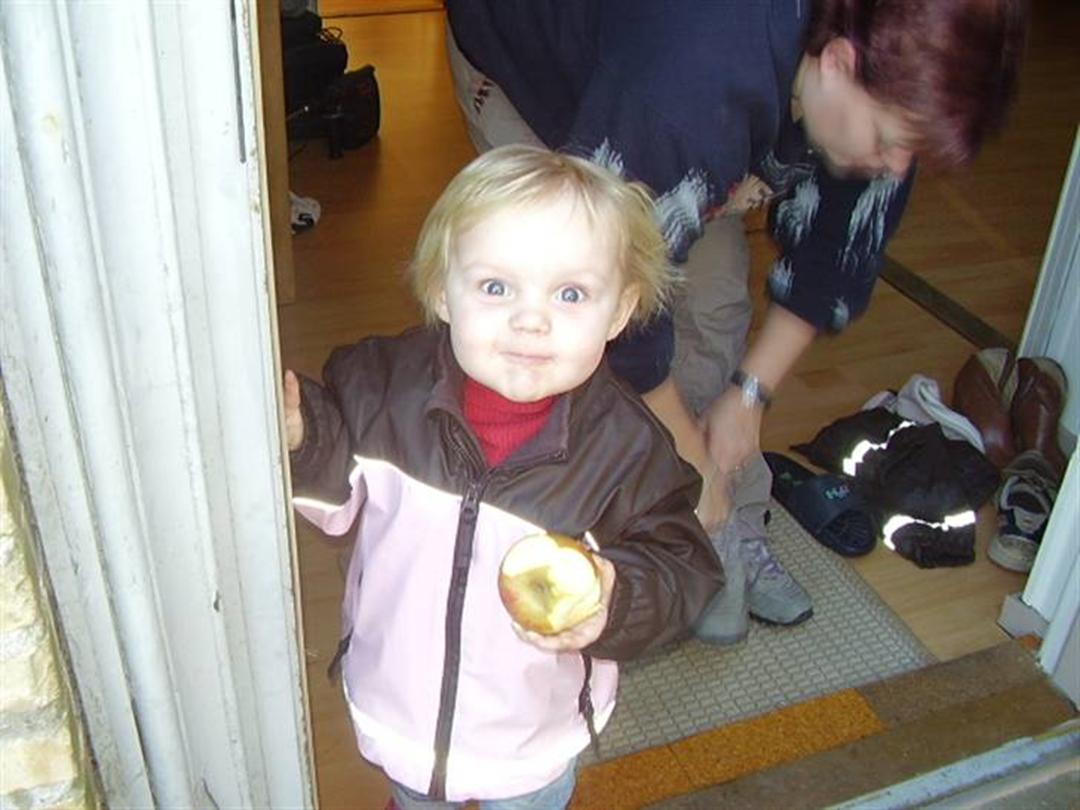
[853,638]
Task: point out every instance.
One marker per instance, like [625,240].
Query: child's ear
[441,309]
[628,301]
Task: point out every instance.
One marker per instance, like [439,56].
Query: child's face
[532,295]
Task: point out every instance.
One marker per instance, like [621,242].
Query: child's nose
[530,318]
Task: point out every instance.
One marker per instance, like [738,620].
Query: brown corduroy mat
[852,639]
[844,745]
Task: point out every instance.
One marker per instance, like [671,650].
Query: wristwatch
[753,392]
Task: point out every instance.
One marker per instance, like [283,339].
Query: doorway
[349,285]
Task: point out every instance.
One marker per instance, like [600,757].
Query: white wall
[1053,325]
[1053,330]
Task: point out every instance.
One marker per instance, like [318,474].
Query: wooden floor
[331,10]
[978,237]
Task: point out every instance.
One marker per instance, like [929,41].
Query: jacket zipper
[455,603]
[585,704]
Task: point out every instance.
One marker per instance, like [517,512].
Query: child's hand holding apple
[557,591]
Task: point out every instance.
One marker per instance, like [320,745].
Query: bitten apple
[549,583]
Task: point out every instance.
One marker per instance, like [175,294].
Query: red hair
[950,64]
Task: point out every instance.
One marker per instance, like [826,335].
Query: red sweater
[502,425]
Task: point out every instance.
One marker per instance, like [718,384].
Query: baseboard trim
[1019,619]
[953,314]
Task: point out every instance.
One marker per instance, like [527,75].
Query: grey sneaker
[725,620]
[774,595]
[1024,504]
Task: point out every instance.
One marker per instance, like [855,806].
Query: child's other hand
[583,633]
[294,420]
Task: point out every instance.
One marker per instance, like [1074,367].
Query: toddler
[444,445]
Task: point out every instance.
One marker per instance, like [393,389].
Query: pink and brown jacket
[443,695]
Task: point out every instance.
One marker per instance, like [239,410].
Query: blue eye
[493,287]
[571,295]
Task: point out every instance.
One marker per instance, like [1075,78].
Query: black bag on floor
[321,99]
[312,58]
[298,28]
[347,114]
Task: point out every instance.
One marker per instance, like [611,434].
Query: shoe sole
[1004,557]
[722,641]
[1010,562]
[802,617]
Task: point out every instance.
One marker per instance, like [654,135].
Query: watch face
[751,392]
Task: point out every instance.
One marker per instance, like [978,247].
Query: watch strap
[754,393]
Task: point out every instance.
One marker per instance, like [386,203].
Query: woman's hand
[732,431]
[583,633]
[717,493]
[294,420]
[732,426]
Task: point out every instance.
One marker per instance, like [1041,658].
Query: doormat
[852,639]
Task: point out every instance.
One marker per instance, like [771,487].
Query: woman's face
[856,135]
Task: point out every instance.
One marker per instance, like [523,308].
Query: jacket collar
[553,440]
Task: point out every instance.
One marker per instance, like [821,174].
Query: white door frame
[139,356]
[1049,605]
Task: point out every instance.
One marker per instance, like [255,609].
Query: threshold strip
[957,317]
[1001,774]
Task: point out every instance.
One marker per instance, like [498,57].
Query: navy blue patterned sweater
[692,97]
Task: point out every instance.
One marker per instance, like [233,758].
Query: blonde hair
[521,175]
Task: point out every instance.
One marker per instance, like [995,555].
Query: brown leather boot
[978,395]
[1036,408]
